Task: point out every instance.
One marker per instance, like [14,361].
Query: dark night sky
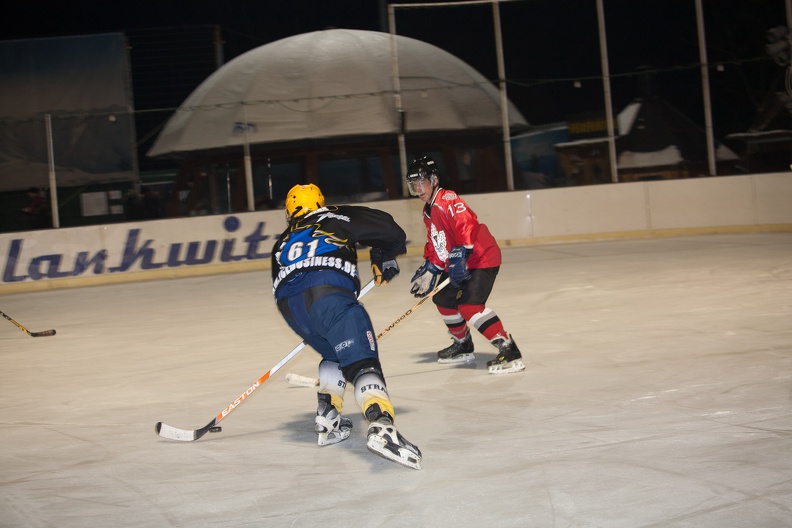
[548,43]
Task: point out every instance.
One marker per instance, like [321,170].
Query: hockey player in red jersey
[462,248]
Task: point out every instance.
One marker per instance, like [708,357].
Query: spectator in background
[37,210]
[133,204]
[152,206]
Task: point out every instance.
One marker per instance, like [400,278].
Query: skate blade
[378,445]
[515,366]
[333,437]
[461,358]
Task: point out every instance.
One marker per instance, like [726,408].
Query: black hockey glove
[384,270]
[457,265]
[424,280]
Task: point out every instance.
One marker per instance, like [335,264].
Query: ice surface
[657,393]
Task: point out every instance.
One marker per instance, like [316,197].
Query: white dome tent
[329,83]
[332,84]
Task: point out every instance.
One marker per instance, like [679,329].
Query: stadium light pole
[51,173]
[504,101]
[248,164]
[397,98]
[789,13]
[606,88]
[706,89]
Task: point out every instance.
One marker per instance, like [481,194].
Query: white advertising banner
[243,242]
[138,247]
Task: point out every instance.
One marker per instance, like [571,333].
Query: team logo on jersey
[439,242]
[333,215]
[372,343]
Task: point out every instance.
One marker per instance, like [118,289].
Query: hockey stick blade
[188,435]
[44,333]
[305,381]
[301,381]
[185,435]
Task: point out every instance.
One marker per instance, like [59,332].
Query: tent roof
[652,133]
[333,83]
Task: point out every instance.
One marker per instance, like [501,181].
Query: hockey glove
[424,280]
[384,270]
[457,265]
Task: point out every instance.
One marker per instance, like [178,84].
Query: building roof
[331,84]
[661,135]
[652,133]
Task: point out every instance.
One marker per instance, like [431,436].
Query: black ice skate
[384,440]
[330,426]
[508,359]
[458,352]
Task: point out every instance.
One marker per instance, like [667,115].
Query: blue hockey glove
[457,265]
[424,280]
[385,269]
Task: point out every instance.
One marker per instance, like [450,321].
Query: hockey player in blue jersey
[315,281]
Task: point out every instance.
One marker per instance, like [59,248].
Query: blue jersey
[326,241]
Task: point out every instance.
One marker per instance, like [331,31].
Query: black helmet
[422,168]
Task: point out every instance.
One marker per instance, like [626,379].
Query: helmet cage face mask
[415,182]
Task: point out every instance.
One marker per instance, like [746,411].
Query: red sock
[456,324]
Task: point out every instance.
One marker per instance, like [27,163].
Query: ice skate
[330,426]
[458,352]
[384,440]
[508,359]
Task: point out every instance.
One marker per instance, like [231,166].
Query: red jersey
[451,222]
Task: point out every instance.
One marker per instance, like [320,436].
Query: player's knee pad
[354,370]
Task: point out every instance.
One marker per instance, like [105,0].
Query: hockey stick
[305,381]
[43,333]
[188,435]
